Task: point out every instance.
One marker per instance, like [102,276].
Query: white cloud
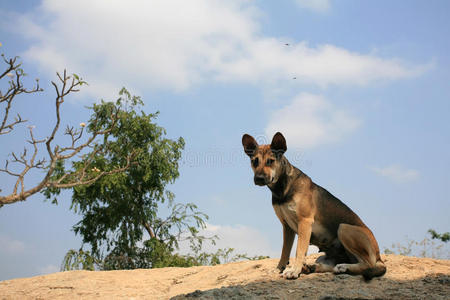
[310,120]
[11,246]
[243,239]
[320,6]
[177,44]
[49,269]
[397,173]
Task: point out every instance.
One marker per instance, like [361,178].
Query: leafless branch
[15,73]
[65,85]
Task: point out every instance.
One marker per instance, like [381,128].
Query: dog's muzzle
[260,180]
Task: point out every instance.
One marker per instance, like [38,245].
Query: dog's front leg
[288,240]
[304,235]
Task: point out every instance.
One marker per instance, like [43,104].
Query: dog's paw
[281,267]
[341,268]
[292,272]
[308,269]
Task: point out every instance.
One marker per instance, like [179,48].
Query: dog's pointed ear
[278,145]
[249,144]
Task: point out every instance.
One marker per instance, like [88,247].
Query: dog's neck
[282,187]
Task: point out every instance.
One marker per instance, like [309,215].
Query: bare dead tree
[15,88]
[65,85]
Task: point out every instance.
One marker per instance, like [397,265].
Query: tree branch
[15,73]
[149,229]
[67,84]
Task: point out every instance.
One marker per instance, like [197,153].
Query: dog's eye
[255,162]
[269,162]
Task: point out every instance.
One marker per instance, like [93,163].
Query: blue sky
[366,116]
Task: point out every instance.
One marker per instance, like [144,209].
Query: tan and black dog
[318,217]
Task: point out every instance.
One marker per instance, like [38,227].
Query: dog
[315,215]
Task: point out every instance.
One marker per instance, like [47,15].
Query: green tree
[445,237]
[119,209]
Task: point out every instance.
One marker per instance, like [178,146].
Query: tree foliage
[119,209]
[78,260]
[445,237]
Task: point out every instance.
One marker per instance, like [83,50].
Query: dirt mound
[406,278]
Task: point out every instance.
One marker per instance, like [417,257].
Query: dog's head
[266,160]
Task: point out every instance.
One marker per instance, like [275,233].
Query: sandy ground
[406,278]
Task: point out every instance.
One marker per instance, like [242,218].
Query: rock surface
[406,278]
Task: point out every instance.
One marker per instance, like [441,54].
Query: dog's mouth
[262,181]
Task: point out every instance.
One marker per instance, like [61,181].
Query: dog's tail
[378,270]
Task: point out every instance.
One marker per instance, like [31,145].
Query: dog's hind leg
[360,242]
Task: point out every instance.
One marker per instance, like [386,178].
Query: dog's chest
[286,212]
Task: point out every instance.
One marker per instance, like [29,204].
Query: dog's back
[331,211]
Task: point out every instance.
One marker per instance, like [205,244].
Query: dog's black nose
[260,180]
